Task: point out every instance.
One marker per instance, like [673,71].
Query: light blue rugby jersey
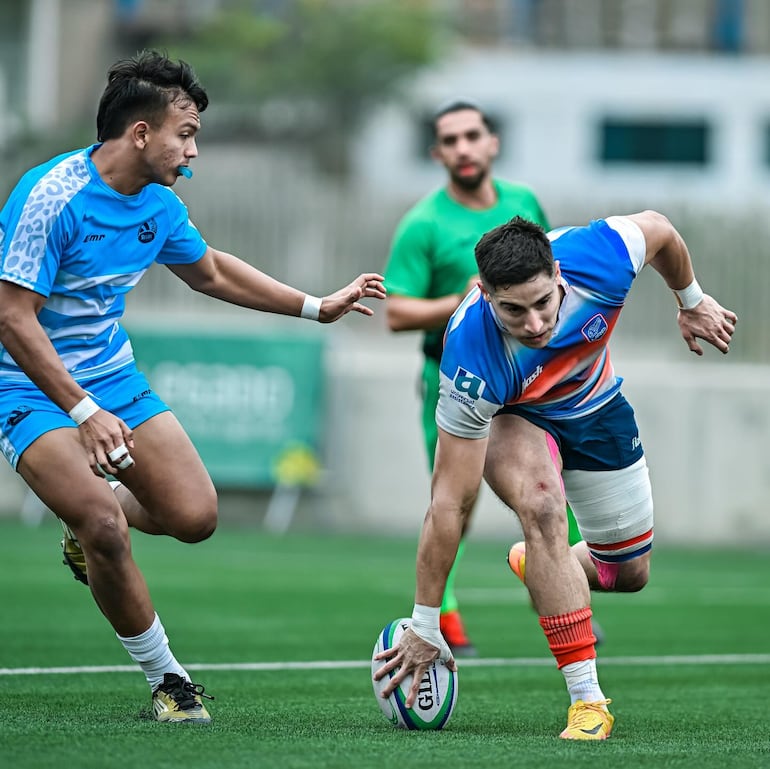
[483,367]
[67,235]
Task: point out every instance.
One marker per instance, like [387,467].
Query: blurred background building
[315,143]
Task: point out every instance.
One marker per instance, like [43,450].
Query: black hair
[457,105]
[142,88]
[513,253]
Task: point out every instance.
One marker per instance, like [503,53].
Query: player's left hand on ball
[411,655]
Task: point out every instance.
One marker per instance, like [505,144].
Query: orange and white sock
[572,643]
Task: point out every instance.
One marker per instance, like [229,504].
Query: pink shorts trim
[553,450]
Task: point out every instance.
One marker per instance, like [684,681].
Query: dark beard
[469,183]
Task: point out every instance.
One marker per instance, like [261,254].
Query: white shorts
[613,510]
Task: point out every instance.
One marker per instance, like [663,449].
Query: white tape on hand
[120,457]
[127,461]
[425,624]
[118,453]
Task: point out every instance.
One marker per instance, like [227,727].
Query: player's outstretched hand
[708,321]
[411,655]
[334,306]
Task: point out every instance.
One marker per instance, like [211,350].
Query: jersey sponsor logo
[595,329]
[93,237]
[141,395]
[467,387]
[532,377]
[147,231]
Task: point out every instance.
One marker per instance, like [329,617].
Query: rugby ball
[438,688]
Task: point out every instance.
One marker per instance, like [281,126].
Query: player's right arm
[27,343]
[455,484]
[456,479]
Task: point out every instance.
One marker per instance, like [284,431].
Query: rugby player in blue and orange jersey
[76,234]
[530,401]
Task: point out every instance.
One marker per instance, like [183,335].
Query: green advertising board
[252,404]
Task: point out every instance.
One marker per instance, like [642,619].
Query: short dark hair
[513,253]
[457,105]
[142,88]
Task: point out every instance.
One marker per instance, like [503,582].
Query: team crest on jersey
[147,231]
[595,329]
[467,387]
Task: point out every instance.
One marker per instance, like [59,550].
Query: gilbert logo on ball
[437,693]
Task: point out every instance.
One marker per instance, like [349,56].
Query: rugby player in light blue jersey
[76,234]
[529,399]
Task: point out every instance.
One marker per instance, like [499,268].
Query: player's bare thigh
[169,480]
[55,466]
[521,471]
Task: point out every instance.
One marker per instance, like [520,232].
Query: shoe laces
[581,715]
[182,691]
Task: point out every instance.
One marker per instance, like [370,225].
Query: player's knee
[543,517]
[105,536]
[634,579]
[195,525]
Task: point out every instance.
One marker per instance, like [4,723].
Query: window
[677,142]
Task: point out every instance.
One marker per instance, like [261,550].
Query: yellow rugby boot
[588,721]
[177,700]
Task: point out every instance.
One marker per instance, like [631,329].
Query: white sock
[152,653]
[582,681]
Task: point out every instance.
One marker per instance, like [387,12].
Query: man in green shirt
[432,266]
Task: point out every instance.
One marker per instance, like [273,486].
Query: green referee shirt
[432,253]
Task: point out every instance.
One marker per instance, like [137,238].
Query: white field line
[491,662]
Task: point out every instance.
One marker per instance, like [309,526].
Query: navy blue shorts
[26,413]
[607,439]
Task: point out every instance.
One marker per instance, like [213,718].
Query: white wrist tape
[425,624]
[689,297]
[311,307]
[83,410]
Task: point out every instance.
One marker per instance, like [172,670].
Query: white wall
[551,105]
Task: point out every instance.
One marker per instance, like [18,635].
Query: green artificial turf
[245,598]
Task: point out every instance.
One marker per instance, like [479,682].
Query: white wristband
[425,624]
[689,297]
[311,307]
[83,410]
